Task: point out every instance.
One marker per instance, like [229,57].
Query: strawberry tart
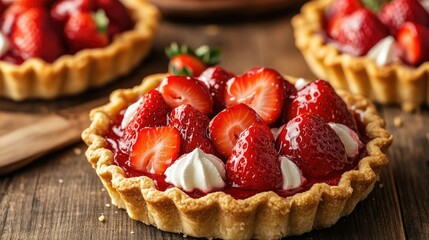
[375,48]
[231,156]
[56,48]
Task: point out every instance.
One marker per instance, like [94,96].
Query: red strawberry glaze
[121,159]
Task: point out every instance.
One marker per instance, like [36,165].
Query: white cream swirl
[197,170]
[4,44]
[292,176]
[384,52]
[130,112]
[348,137]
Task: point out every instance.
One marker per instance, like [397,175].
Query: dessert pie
[236,157]
[50,49]
[374,48]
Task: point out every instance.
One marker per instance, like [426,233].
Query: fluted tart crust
[72,74]
[218,215]
[394,83]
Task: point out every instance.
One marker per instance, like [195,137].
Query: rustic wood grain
[60,197]
[409,157]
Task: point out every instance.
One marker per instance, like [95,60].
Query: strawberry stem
[101,21]
[375,5]
[209,56]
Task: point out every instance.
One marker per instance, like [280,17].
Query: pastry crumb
[116,212]
[397,121]
[212,30]
[60,180]
[77,151]
[132,232]
[102,218]
[103,189]
[107,205]
[381,185]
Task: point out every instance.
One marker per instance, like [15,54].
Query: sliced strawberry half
[192,125]
[320,98]
[413,39]
[119,17]
[155,149]
[309,142]
[179,90]
[152,112]
[254,163]
[226,127]
[261,89]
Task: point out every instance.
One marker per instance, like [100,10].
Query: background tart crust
[394,83]
[72,74]
[218,215]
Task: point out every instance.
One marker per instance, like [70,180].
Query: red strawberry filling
[358,26]
[306,151]
[48,29]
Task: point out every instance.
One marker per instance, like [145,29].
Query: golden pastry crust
[218,215]
[393,83]
[72,74]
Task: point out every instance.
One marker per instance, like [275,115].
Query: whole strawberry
[192,125]
[315,148]
[254,162]
[86,30]
[33,36]
[61,10]
[215,79]
[152,112]
[118,15]
[184,61]
[397,12]
[9,17]
[318,97]
[358,32]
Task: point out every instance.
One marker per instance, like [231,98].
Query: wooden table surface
[59,196]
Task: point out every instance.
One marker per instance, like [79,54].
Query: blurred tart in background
[57,48]
[375,48]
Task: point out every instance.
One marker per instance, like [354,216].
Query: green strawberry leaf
[375,5]
[209,56]
[101,21]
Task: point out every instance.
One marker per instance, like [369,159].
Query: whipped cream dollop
[4,44]
[292,175]
[130,112]
[348,137]
[300,83]
[197,170]
[384,52]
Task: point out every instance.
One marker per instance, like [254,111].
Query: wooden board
[60,197]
